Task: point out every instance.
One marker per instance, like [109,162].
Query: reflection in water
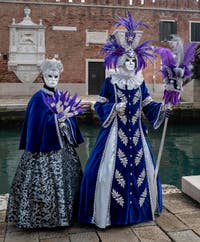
[180,157]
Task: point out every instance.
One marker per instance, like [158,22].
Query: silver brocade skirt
[45,189]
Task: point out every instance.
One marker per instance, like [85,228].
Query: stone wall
[70,45]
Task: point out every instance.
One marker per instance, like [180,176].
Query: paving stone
[151,223]
[184,236]
[66,239]
[84,237]
[197,229]
[179,203]
[192,219]
[2,216]
[2,229]
[52,233]
[150,233]
[169,222]
[117,234]
[24,236]
[11,227]
[79,228]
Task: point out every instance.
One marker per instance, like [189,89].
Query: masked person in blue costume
[118,185]
[45,189]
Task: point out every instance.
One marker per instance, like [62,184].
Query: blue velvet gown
[45,188]
[118,186]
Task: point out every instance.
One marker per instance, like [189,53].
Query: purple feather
[171,97]
[65,101]
[129,23]
[144,52]
[166,56]
[112,51]
[189,52]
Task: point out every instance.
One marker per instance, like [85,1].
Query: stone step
[191,186]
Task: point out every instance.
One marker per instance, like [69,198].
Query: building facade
[75,31]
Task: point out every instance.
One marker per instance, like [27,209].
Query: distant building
[75,31]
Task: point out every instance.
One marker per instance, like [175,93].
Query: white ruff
[122,80]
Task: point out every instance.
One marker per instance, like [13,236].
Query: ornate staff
[176,68]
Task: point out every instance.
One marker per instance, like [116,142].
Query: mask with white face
[51,69]
[130,64]
[51,78]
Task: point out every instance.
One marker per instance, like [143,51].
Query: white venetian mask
[130,64]
[51,78]
[51,69]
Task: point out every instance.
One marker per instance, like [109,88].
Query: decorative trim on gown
[117,185]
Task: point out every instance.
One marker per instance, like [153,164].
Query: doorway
[96,76]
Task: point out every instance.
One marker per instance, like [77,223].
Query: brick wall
[94,15]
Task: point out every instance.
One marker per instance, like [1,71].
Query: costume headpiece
[176,66]
[51,64]
[124,42]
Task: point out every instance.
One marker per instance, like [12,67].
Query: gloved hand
[66,113]
[120,108]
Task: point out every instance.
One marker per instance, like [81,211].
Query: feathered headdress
[176,67]
[124,42]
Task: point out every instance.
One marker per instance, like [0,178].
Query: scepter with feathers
[176,68]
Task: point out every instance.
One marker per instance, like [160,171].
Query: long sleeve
[153,110]
[105,105]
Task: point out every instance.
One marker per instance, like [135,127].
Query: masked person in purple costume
[118,185]
[45,189]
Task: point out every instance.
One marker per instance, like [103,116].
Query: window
[194,31]
[167,28]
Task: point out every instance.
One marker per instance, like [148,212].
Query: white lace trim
[123,81]
[146,101]
[110,117]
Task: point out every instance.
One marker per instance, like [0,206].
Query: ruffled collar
[124,81]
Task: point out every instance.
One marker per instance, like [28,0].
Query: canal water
[181,153]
